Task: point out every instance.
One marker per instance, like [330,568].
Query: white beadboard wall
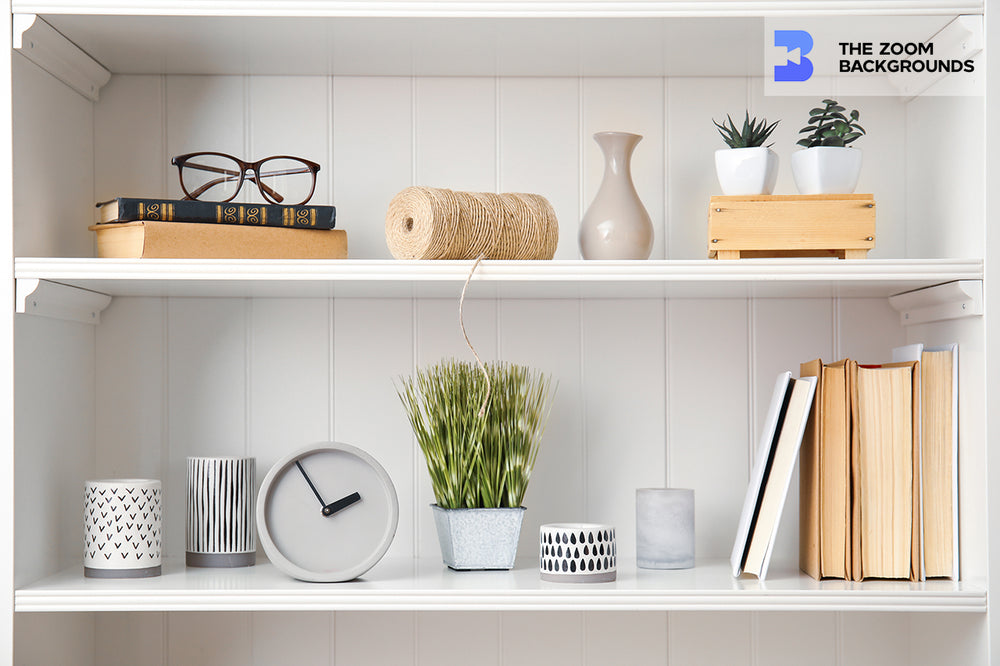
[642,383]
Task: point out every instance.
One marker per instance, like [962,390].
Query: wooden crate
[772,225]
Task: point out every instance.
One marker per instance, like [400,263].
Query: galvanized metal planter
[478,538]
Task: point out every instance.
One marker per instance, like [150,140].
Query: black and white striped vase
[220,512]
[122,528]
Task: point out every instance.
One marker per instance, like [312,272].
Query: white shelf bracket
[45,46]
[59,301]
[951,300]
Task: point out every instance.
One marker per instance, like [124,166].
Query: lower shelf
[407,584]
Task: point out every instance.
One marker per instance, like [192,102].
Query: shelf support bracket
[951,300]
[59,301]
[45,46]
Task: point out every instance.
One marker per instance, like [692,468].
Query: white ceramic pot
[122,528]
[578,553]
[744,171]
[220,512]
[826,170]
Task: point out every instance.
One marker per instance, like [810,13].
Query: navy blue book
[127,209]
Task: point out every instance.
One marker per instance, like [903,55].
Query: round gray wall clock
[326,513]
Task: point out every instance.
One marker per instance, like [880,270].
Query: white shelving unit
[125,367]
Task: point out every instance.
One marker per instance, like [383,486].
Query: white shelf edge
[42,44]
[952,300]
[503,8]
[262,588]
[58,301]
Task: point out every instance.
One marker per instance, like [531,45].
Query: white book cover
[762,456]
[779,478]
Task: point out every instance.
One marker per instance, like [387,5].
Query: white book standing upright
[772,474]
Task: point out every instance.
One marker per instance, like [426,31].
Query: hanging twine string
[437,223]
[461,323]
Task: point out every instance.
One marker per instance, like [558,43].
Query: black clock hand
[309,481]
[342,503]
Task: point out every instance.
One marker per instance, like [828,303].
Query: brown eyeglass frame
[181,161]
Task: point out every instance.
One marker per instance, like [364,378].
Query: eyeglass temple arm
[231,175]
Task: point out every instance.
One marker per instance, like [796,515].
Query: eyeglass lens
[284,180]
[211,177]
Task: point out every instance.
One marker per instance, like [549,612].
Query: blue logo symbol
[794,40]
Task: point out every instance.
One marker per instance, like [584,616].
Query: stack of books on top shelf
[165,228]
[878,484]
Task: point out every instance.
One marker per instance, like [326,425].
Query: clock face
[326,513]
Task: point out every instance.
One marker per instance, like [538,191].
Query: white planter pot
[826,170]
[745,171]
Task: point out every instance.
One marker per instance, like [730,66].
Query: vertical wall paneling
[786,332]
[373,345]
[710,638]
[539,148]
[623,359]
[708,380]
[127,639]
[290,389]
[868,330]
[542,639]
[205,113]
[372,156]
[276,104]
[34,644]
[457,638]
[54,427]
[545,335]
[437,338]
[456,143]
[875,639]
[300,638]
[129,153]
[225,641]
[627,105]
[131,385]
[945,178]
[790,639]
[690,154]
[949,638]
[610,636]
[53,182]
[206,393]
[374,638]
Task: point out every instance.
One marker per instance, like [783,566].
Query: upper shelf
[451,38]
[763,278]
[425,584]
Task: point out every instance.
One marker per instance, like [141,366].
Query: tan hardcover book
[173,240]
[825,478]
[886,537]
[938,455]
[809,475]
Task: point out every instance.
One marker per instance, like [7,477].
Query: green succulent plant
[828,126]
[753,134]
[478,458]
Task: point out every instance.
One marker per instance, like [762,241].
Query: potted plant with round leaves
[829,164]
[479,428]
[747,166]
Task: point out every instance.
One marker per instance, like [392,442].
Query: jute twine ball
[436,223]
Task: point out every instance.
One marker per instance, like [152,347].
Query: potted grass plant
[747,167]
[829,164]
[479,428]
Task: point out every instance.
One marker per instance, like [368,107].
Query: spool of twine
[436,223]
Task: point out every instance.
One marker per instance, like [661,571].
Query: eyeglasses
[281,179]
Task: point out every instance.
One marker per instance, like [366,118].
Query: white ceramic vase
[746,171]
[220,512]
[616,225]
[826,170]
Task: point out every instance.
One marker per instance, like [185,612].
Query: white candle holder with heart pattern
[122,528]
[578,553]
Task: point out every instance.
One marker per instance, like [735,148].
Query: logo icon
[792,41]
